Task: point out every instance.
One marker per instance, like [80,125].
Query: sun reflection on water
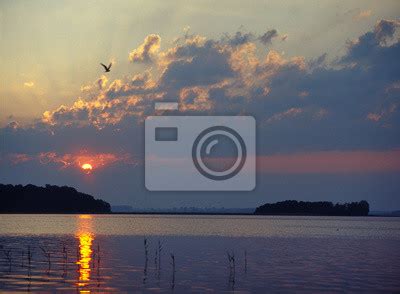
[86,236]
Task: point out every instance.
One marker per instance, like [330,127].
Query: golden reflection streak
[86,237]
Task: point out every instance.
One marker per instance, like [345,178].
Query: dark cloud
[385,29]
[370,48]
[197,64]
[318,61]
[267,37]
[239,38]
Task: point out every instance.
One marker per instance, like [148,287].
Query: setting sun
[87,167]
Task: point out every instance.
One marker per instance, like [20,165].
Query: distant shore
[199,214]
[244,214]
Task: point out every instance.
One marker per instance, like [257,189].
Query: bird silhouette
[106,68]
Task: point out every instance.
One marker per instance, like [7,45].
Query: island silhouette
[48,199]
[293,207]
[55,199]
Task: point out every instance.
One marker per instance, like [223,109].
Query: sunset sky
[322,79]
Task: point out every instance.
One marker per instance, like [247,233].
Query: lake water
[107,253]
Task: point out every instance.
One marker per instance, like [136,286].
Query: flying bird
[107,69]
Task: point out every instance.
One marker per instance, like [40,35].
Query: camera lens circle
[206,141]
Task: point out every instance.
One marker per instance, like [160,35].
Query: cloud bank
[354,99]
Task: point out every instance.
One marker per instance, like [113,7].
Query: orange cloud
[195,98]
[147,50]
[67,160]
[383,114]
[98,112]
[96,160]
[288,113]
[102,82]
[19,158]
[374,116]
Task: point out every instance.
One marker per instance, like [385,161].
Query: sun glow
[87,167]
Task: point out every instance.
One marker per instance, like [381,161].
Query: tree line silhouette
[293,207]
[48,199]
